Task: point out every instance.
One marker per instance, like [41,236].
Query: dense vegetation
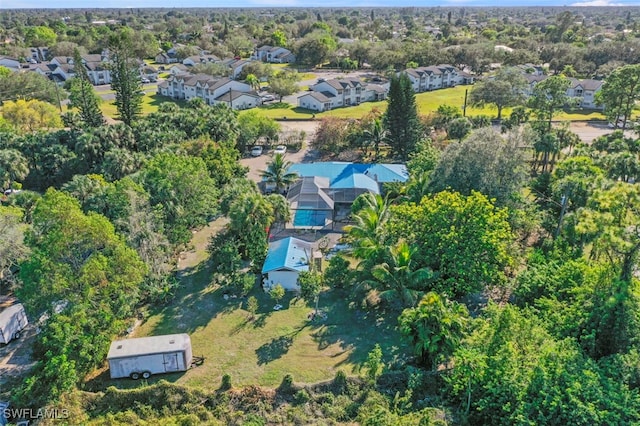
[507,261]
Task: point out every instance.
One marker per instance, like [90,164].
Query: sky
[117,4]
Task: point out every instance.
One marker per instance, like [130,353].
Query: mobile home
[145,356]
[12,321]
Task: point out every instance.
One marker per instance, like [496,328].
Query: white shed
[286,258]
[12,321]
[144,356]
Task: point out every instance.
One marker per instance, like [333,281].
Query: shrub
[226,382]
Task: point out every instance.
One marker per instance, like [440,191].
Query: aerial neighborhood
[350,215]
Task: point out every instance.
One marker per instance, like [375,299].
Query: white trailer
[12,321]
[144,356]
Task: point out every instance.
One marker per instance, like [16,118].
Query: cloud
[599,3]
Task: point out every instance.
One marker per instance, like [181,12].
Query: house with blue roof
[286,258]
[326,190]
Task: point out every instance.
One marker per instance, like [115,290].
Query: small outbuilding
[13,320]
[286,258]
[144,356]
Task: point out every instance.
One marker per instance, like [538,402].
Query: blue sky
[15,4]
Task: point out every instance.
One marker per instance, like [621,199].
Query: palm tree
[13,167]
[435,327]
[366,234]
[376,135]
[277,173]
[397,277]
[252,81]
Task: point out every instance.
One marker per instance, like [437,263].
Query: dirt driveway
[256,164]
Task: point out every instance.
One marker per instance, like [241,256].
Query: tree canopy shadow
[273,350]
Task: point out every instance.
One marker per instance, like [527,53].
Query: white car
[280,149]
[256,151]
[336,249]
[268,98]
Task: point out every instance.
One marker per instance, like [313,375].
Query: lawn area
[264,350]
[150,103]
[427,103]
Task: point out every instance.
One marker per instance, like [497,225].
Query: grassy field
[274,344]
[427,103]
[150,103]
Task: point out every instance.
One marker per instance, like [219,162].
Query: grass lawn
[427,103]
[274,344]
[150,103]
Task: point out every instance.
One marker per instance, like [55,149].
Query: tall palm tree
[13,167]
[397,276]
[277,173]
[376,135]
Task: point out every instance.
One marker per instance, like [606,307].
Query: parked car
[336,249]
[256,151]
[280,149]
[145,80]
[268,98]
[12,191]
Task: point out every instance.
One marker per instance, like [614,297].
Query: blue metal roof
[342,173]
[289,253]
[356,180]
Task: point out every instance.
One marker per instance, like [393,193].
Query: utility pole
[464,107]
[563,209]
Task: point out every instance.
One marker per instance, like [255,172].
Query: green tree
[182,186]
[277,293]
[279,38]
[251,216]
[254,126]
[252,81]
[374,364]
[399,277]
[315,48]
[375,135]
[252,306]
[13,167]
[401,118]
[284,84]
[29,85]
[465,240]
[505,89]
[619,93]
[31,115]
[277,173]
[484,162]
[125,78]
[310,283]
[435,327]
[548,97]
[367,234]
[458,128]
[83,97]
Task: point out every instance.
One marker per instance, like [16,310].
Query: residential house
[200,59]
[585,90]
[326,190]
[437,77]
[275,55]
[11,63]
[149,73]
[285,260]
[236,66]
[178,69]
[39,54]
[167,58]
[336,93]
[97,69]
[239,100]
[212,90]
